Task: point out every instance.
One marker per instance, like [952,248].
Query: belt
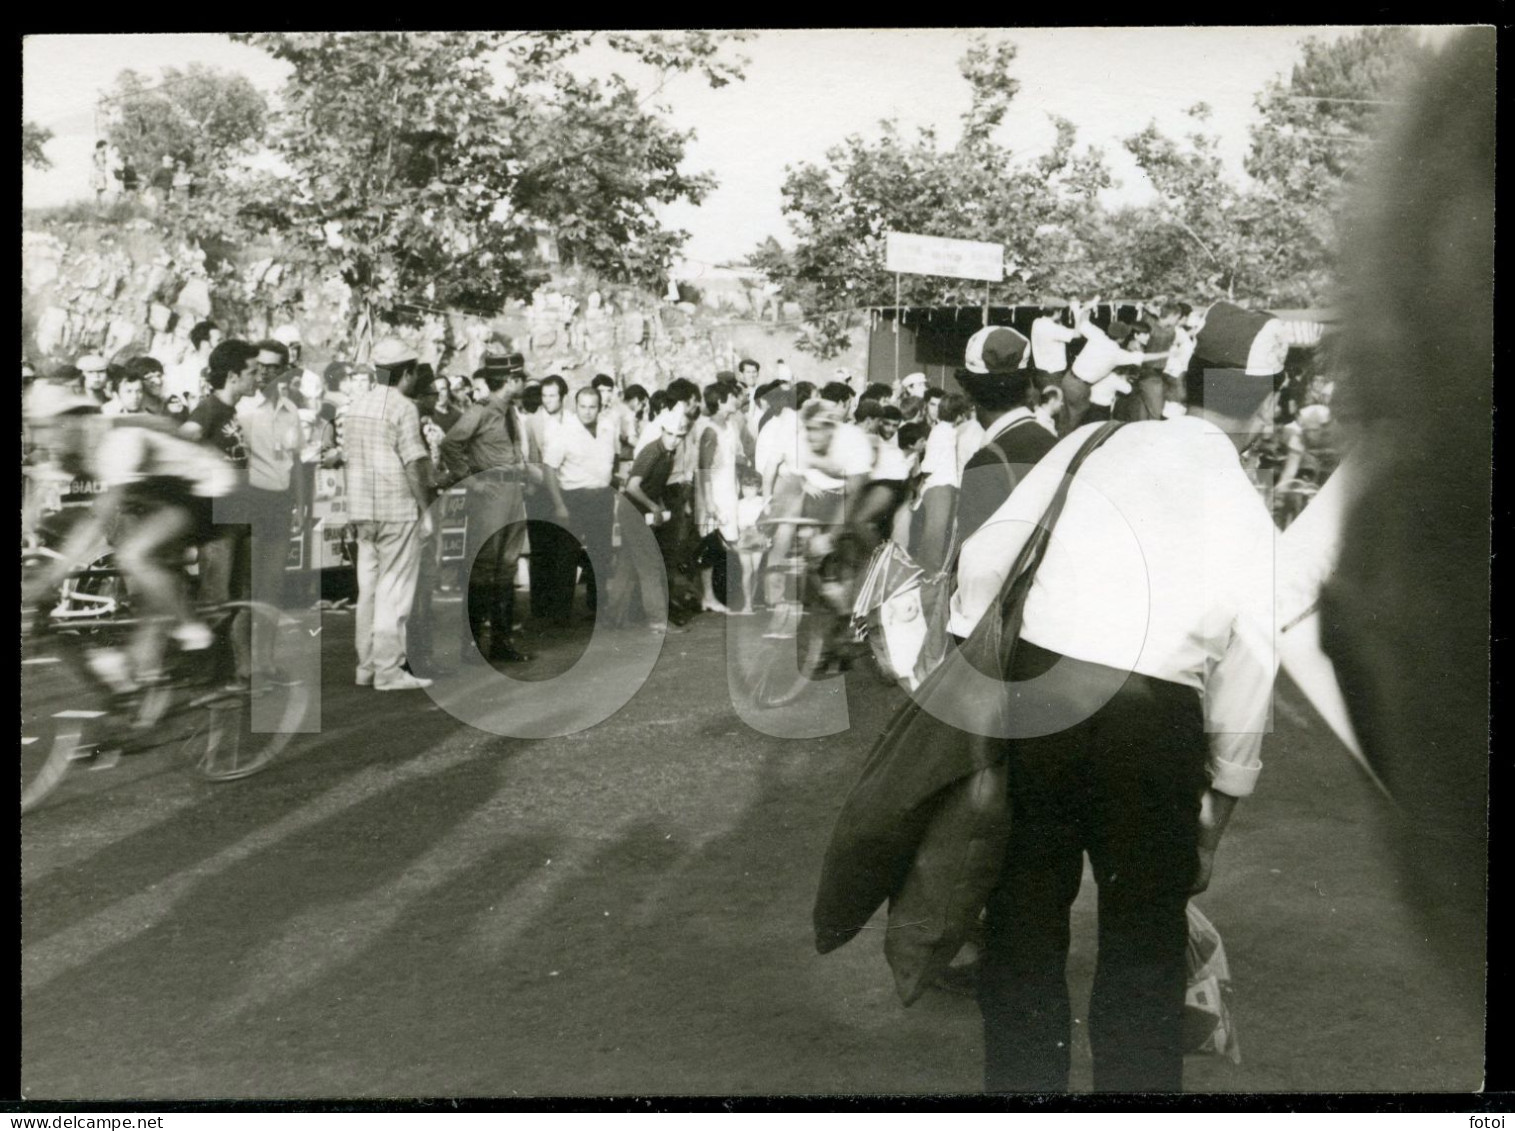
[499,475]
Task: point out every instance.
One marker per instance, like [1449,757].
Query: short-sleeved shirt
[582,461]
[382,431]
[653,466]
[221,427]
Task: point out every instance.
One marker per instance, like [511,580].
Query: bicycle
[814,613]
[193,707]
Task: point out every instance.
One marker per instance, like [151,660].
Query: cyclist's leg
[224,576]
[150,552]
[788,502]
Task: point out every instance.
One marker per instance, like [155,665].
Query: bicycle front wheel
[234,732]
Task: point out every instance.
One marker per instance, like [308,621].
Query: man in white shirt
[1156,588]
[578,463]
[1049,345]
[1096,362]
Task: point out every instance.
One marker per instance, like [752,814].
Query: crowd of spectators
[552,471]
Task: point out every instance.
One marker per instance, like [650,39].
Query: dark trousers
[591,516]
[496,532]
[681,546]
[551,566]
[1124,786]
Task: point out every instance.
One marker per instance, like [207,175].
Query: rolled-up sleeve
[1239,687]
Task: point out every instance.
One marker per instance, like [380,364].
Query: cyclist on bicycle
[155,504]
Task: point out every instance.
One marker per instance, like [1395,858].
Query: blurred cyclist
[154,504]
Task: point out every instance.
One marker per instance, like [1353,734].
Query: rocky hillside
[120,288]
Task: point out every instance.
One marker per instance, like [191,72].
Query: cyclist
[154,504]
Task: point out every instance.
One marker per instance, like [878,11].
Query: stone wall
[122,290]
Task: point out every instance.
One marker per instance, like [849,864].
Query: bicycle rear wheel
[231,733]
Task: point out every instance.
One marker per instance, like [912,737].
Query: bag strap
[1018,583]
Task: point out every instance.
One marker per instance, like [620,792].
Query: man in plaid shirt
[389,492]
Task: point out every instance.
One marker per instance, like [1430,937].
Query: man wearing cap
[485,450]
[1149,632]
[389,494]
[1014,439]
[96,379]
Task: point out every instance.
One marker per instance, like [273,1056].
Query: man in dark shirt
[486,448]
[1013,440]
[226,560]
[647,489]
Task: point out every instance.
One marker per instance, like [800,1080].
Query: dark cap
[510,364]
[995,391]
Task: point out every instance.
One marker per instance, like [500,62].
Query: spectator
[130,397]
[717,448]
[646,491]
[99,174]
[277,499]
[1102,354]
[579,462]
[1176,644]
[389,494]
[95,378]
[1049,344]
[161,186]
[1013,439]
[486,448]
[226,561]
[941,481]
[552,549]
[446,411]
[751,540]
[183,381]
[130,180]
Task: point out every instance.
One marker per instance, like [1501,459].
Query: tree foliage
[839,210]
[423,166]
[33,138]
[1269,240]
[200,115]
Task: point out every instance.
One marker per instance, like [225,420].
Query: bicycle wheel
[230,733]
[794,651]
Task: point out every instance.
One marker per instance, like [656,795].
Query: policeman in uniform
[485,449]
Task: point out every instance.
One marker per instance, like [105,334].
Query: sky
[804,92]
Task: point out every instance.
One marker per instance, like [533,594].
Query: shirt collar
[1014,416]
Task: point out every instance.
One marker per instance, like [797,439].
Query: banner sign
[935,255]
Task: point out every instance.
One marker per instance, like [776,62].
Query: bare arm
[637,495]
[418,479]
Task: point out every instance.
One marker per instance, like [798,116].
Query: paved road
[407,906]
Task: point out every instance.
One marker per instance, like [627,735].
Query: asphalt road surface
[407,906]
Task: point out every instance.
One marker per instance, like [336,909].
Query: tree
[1272,241]
[422,166]
[840,210]
[200,115]
[1211,250]
[33,138]
[1316,131]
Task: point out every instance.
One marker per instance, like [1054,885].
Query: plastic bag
[1208,1025]
[903,613]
